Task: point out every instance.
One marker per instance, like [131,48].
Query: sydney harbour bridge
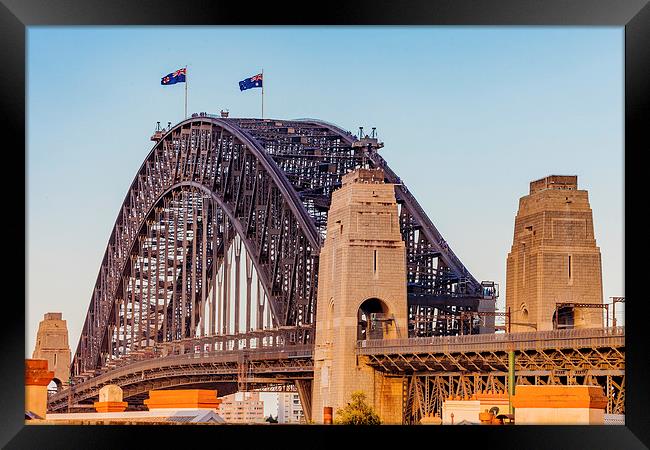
[210,278]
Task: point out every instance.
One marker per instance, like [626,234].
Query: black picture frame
[634,15]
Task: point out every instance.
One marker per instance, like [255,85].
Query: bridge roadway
[227,365]
[377,349]
[446,366]
[435,369]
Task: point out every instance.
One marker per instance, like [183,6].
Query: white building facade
[242,407]
[289,408]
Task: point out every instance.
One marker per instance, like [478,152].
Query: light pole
[615,300]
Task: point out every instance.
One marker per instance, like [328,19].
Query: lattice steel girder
[589,360]
[209,179]
[190,353]
[425,393]
[194,369]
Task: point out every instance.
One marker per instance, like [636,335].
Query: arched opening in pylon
[55,385]
[563,318]
[369,318]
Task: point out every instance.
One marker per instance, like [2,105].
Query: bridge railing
[158,360]
[214,356]
[258,339]
[574,338]
[260,353]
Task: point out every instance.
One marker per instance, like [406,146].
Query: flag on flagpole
[252,82]
[180,76]
[174,77]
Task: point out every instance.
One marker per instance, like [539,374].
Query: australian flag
[174,77]
[252,82]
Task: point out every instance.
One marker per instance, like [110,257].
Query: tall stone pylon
[361,295]
[554,259]
[52,345]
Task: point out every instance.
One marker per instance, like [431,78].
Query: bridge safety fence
[535,340]
[158,361]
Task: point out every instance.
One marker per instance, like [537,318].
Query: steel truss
[233,370]
[219,235]
[436,369]
[424,394]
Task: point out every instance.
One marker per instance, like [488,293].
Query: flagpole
[186,91]
[262,93]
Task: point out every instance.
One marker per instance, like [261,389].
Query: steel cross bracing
[225,209]
[314,155]
[432,369]
[424,394]
[435,369]
[217,361]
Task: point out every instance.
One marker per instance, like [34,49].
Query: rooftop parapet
[559,182]
[364,176]
[53,316]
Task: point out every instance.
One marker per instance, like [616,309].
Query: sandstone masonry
[52,345]
[361,295]
[554,258]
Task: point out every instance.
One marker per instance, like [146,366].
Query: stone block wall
[554,257]
[363,258]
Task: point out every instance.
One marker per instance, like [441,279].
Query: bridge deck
[436,369]
[536,340]
[584,354]
[266,365]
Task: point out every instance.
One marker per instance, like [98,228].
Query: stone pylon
[361,295]
[52,345]
[554,259]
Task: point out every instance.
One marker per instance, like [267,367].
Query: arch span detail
[267,181]
[215,157]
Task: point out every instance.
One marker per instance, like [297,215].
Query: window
[523,268]
[330,321]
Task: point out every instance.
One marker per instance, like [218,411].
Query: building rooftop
[53,316]
[566,182]
[171,416]
[364,176]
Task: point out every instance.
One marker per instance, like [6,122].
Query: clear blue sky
[469,116]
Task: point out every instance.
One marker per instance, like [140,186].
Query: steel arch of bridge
[212,186]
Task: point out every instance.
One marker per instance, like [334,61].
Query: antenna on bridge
[158,134]
[366,145]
